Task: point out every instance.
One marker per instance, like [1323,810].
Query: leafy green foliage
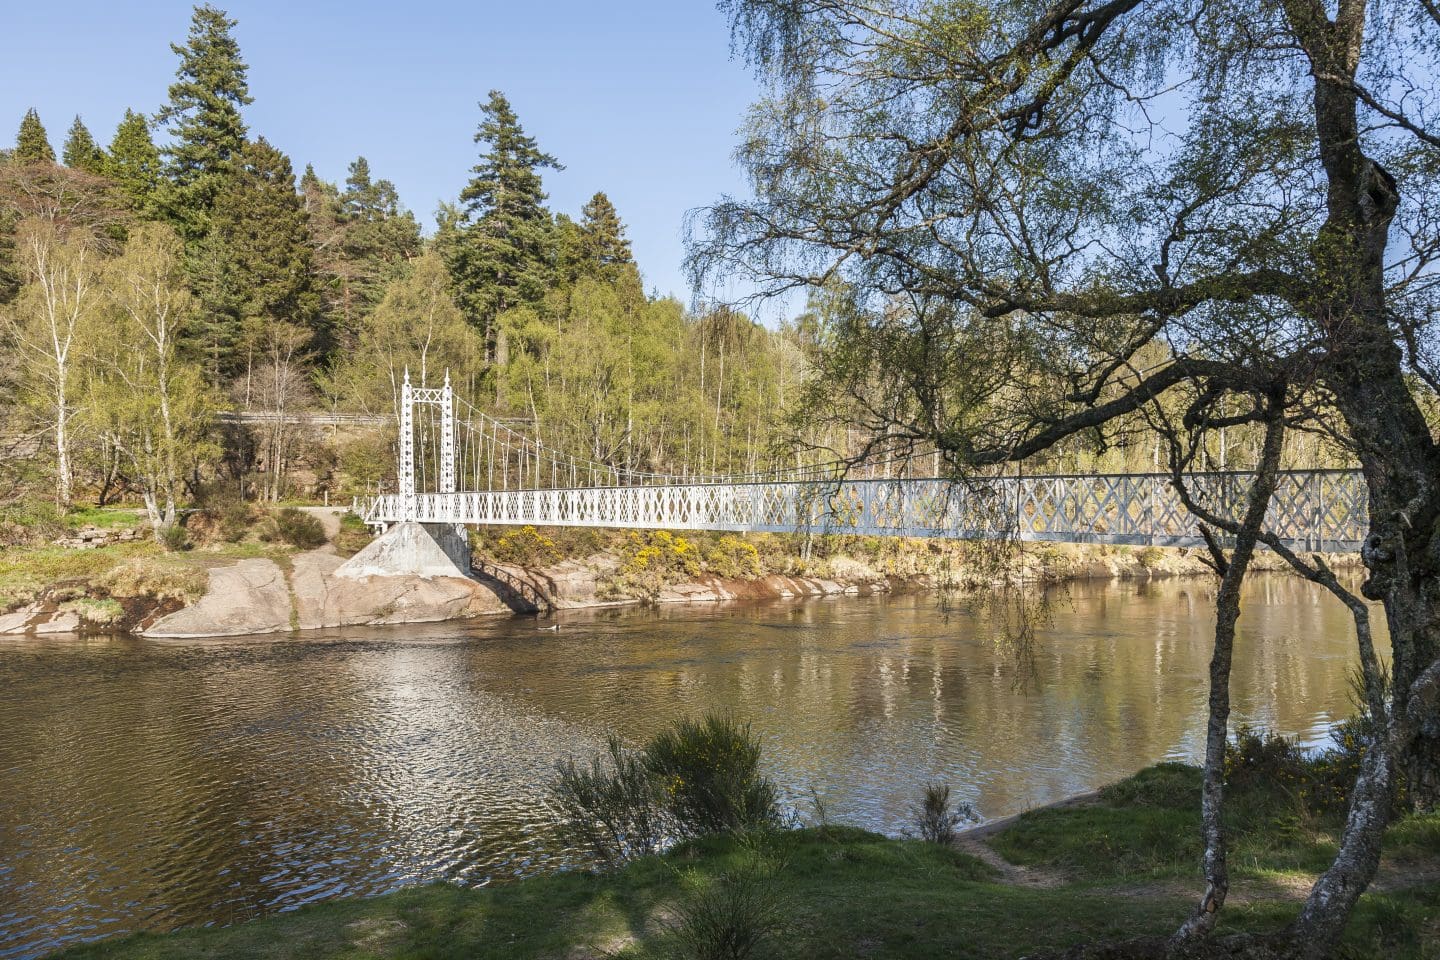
[133,163]
[498,252]
[363,240]
[295,527]
[223,515]
[259,236]
[353,536]
[175,538]
[693,779]
[612,808]
[709,772]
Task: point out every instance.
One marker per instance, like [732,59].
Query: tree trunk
[1227,614]
[1364,370]
[63,492]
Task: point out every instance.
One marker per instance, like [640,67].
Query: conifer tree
[500,256]
[380,234]
[362,238]
[262,247]
[32,144]
[133,163]
[9,264]
[81,152]
[203,119]
[603,234]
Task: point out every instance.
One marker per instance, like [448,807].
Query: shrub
[734,558]
[709,771]
[295,527]
[731,916]
[175,538]
[1256,756]
[612,808]
[353,535]
[525,547]
[651,562]
[934,817]
[693,779]
[1319,781]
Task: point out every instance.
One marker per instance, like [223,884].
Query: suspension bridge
[458,466]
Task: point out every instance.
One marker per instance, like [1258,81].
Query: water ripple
[151,786]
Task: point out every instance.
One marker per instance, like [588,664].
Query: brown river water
[148,785]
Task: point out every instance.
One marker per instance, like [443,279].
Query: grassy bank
[112,586]
[1119,866]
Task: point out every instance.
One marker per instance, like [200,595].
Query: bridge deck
[1312,510]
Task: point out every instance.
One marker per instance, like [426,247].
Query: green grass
[1146,827]
[1125,866]
[26,572]
[139,568]
[106,518]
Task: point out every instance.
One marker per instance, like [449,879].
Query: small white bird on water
[553,626]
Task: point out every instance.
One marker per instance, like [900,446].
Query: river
[148,785]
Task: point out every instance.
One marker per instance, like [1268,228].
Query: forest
[155,290]
[181,312]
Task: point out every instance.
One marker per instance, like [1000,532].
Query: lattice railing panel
[1312,510]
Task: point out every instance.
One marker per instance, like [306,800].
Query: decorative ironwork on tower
[444,398]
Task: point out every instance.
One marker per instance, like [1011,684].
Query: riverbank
[1120,864]
[258,584]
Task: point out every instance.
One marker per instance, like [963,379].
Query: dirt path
[974,841]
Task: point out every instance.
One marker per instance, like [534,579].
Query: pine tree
[9,262]
[500,256]
[203,118]
[362,238]
[81,152]
[32,144]
[604,239]
[380,234]
[133,163]
[261,235]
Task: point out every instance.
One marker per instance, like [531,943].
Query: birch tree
[154,406]
[48,326]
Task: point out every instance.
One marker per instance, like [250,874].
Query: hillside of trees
[179,306]
[153,287]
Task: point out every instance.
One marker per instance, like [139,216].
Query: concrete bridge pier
[412,549]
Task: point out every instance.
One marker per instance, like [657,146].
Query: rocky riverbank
[319,588]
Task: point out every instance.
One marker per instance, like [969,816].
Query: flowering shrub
[709,772]
[734,558]
[692,779]
[651,562]
[525,547]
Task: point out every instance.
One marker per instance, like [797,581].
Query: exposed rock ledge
[255,596]
[259,597]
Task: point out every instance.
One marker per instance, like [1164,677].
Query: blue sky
[638,98]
